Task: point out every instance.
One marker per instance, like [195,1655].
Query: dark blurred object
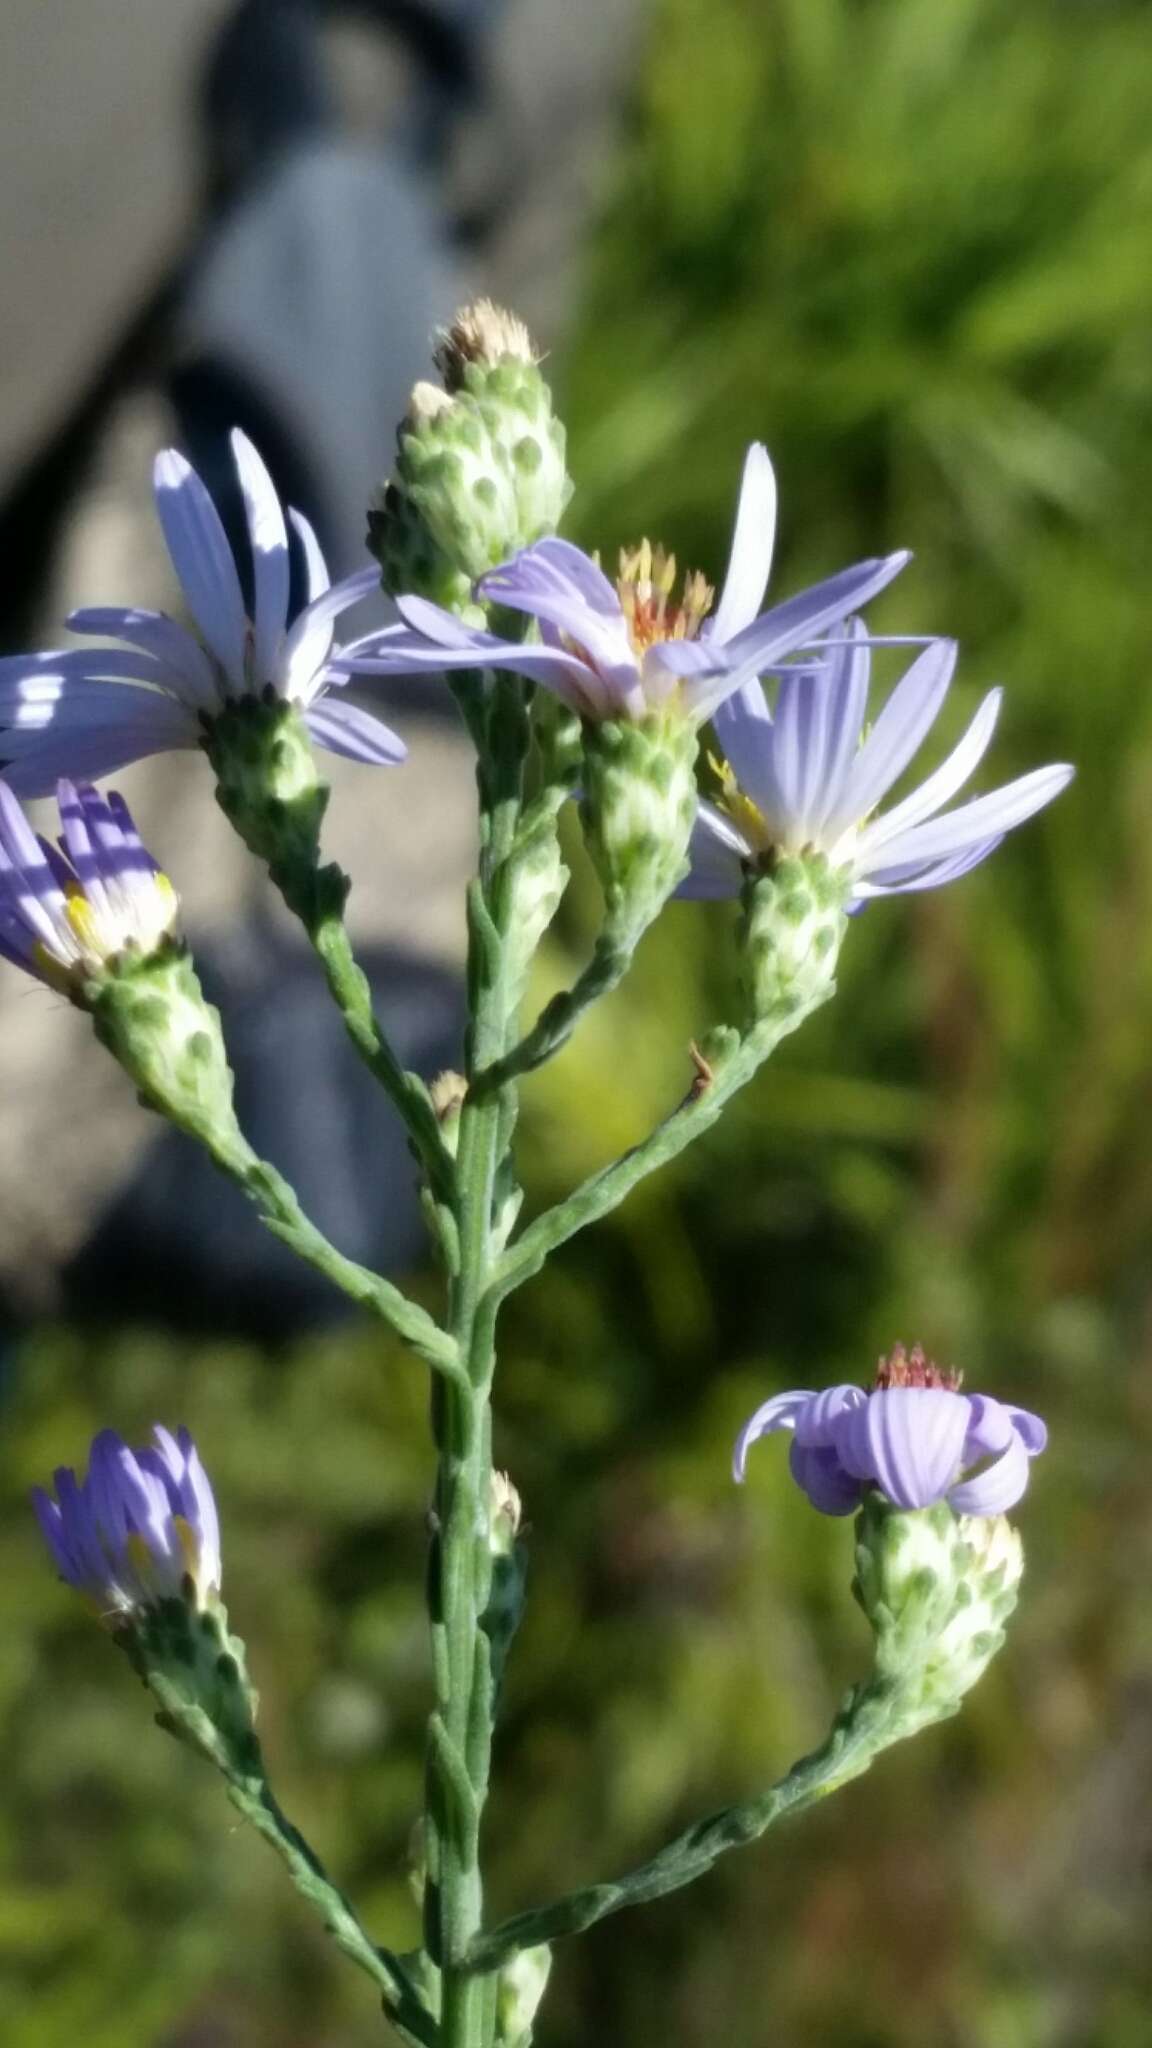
[181,1247]
[306,314]
[300,311]
[302,299]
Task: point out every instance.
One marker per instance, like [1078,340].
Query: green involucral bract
[267,783]
[793,925]
[637,808]
[152,1016]
[196,1672]
[938,1590]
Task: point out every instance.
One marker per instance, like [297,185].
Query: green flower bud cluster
[480,470]
[637,808]
[793,925]
[938,1589]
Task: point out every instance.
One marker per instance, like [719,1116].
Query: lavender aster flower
[803,777]
[914,1437]
[69,914]
[624,651]
[141,1528]
[91,710]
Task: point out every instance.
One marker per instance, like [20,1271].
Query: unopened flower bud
[447,1092]
[480,466]
[523,1982]
[504,1524]
[505,1606]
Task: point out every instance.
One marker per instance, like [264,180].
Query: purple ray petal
[92,756]
[26,677]
[315,567]
[396,653]
[359,735]
[846,680]
[532,583]
[984,817]
[818,1427]
[203,561]
[203,1515]
[268,539]
[557,566]
[309,639]
[998,1488]
[819,1473]
[778,1413]
[800,619]
[750,556]
[939,788]
[52,1528]
[183,664]
[1033,1433]
[909,1440]
[905,721]
[990,1429]
[915,875]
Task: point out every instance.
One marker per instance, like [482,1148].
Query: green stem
[559,1017]
[461,1567]
[253,1797]
[280,1209]
[317,898]
[868,1722]
[726,1065]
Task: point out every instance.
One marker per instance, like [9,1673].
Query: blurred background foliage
[905,242]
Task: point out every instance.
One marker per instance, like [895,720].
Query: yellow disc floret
[645,584]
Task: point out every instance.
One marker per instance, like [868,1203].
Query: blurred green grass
[906,243]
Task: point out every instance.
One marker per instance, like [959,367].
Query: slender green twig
[727,1062]
[559,1017]
[317,898]
[280,1209]
[253,1797]
[868,1721]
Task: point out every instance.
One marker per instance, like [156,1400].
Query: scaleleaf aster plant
[631,672]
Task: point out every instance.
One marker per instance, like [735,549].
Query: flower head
[624,650]
[91,710]
[915,1437]
[805,776]
[141,1528]
[69,914]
